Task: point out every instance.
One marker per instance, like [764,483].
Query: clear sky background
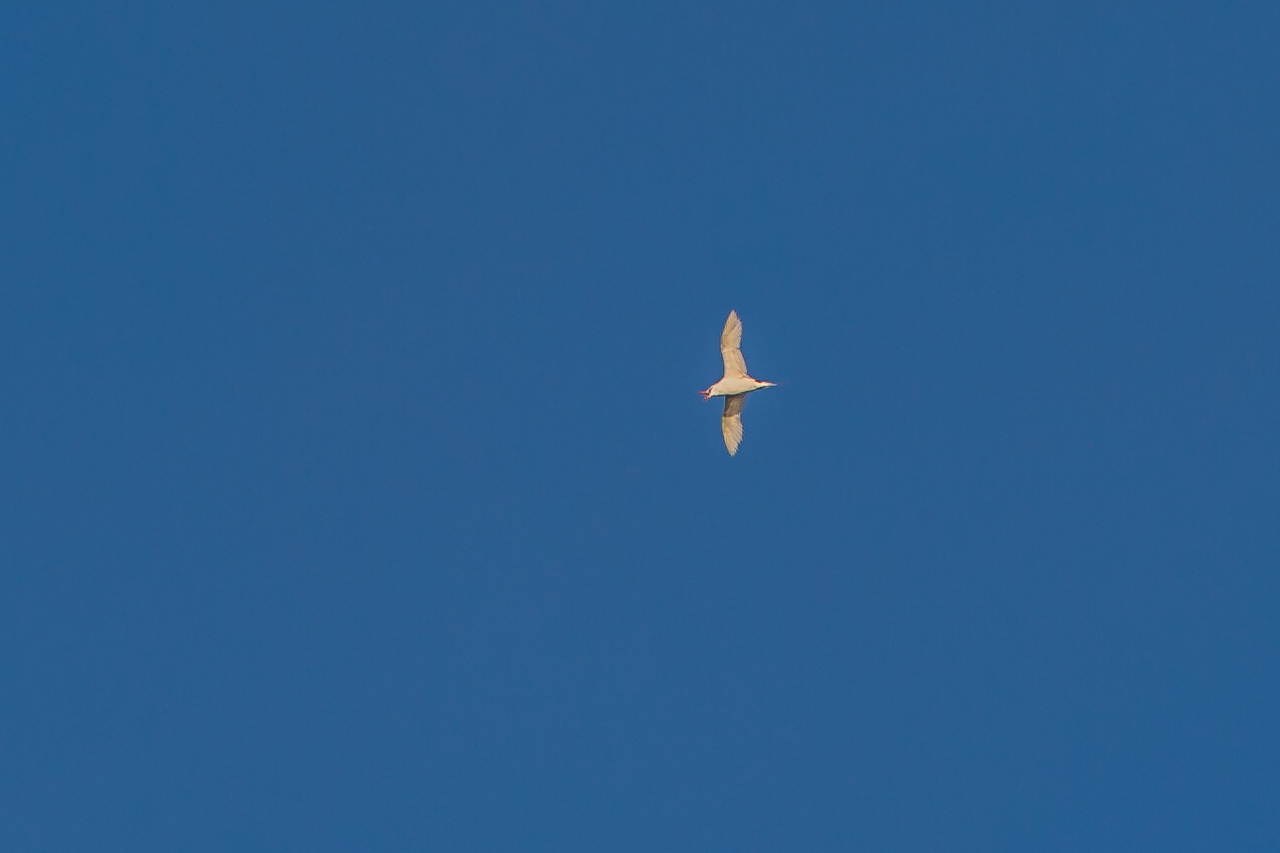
[356,495]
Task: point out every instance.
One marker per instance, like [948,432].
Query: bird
[735,385]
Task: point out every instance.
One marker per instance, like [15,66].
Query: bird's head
[706,395]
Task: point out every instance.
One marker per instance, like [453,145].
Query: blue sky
[357,496]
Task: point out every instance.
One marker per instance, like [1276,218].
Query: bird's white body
[735,385]
[731,385]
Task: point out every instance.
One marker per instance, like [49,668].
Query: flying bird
[735,385]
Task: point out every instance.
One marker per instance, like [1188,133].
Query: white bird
[735,385]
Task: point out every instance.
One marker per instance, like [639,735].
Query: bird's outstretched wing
[731,422]
[735,366]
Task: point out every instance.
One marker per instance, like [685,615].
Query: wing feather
[731,422]
[735,366]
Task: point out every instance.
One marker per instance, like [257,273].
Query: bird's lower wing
[731,422]
[735,366]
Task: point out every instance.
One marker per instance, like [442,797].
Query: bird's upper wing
[731,421]
[735,366]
